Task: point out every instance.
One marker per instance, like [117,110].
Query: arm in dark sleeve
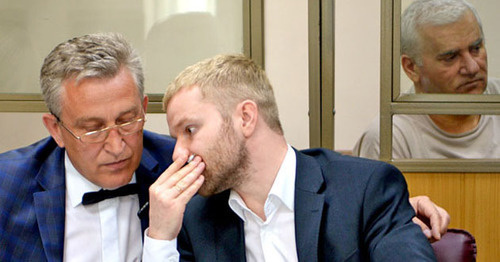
[390,234]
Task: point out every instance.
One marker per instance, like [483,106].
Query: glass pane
[488,14]
[169,34]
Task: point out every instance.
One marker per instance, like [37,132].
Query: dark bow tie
[95,197]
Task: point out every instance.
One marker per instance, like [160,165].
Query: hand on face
[169,195]
[431,218]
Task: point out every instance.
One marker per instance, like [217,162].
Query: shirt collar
[283,187]
[284,184]
[77,185]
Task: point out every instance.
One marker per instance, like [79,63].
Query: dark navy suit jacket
[32,196]
[346,209]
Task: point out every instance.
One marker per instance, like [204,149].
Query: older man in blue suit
[259,198]
[93,87]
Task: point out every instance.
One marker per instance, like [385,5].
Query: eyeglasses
[100,135]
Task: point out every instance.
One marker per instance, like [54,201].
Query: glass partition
[487,12]
[169,34]
[396,102]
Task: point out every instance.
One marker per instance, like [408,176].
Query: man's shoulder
[368,143]
[493,87]
[18,167]
[333,163]
[38,151]
[156,137]
[157,142]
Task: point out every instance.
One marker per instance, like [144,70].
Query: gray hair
[430,12]
[100,55]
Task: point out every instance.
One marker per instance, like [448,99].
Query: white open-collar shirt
[272,239]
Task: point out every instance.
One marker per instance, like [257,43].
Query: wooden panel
[473,201]
[482,214]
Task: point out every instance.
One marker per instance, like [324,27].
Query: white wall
[20,129]
[286,55]
[357,69]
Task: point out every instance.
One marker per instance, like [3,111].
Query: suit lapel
[228,232]
[308,207]
[50,205]
[146,174]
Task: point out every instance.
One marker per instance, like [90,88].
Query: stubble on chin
[227,163]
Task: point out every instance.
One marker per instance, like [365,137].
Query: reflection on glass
[446,51]
[427,137]
[169,34]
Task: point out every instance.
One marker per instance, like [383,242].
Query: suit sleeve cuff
[159,250]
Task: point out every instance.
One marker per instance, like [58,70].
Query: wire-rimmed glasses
[100,135]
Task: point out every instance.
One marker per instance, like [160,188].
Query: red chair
[455,246]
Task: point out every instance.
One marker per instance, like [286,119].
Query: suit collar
[50,204]
[229,236]
[146,174]
[309,202]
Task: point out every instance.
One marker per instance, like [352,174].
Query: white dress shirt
[269,240]
[106,231]
[272,239]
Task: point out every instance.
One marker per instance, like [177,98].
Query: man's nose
[114,143]
[180,149]
[470,66]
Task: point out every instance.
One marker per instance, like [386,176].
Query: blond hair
[227,80]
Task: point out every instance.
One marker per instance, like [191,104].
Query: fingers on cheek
[183,172]
[191,176]
[198,183]
[200,167]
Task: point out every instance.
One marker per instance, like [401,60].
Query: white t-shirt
[416,136]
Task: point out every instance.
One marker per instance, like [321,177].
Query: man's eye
[190,130]
[92,128]
[449,58]
[476,48]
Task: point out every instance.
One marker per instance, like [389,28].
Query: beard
[226,161]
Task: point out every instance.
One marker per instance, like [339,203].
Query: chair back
[455,246]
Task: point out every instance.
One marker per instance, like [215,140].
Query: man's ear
[145,103]
[411,68]
[50,122]
[248,114]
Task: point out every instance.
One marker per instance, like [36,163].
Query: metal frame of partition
[321,73]
[392,102]
[253,46]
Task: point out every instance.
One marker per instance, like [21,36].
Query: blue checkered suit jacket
[32,196]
